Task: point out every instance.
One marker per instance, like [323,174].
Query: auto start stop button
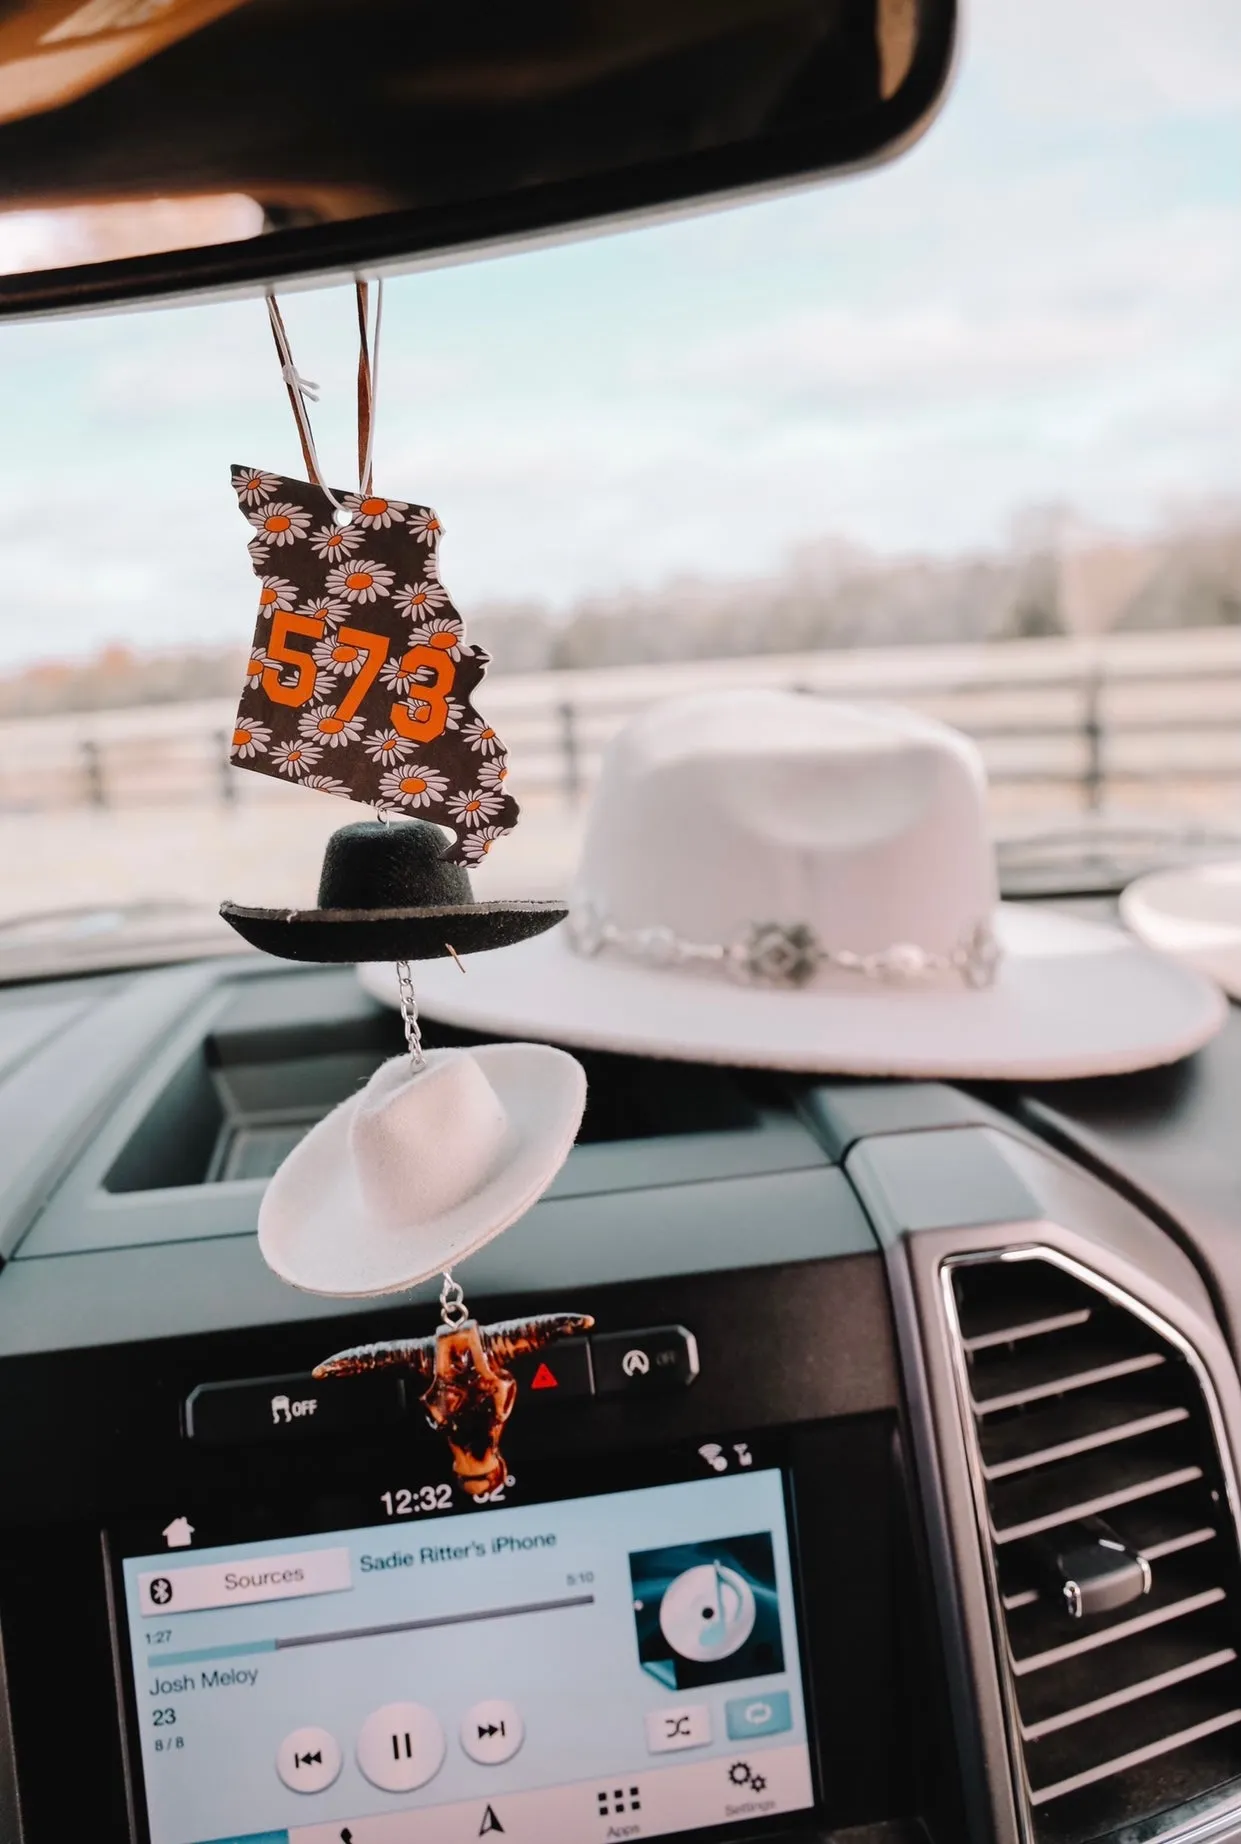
[291,1408]
[658,1358]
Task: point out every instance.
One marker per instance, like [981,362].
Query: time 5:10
[410,1500]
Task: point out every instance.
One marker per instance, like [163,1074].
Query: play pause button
[401,1746]
[308,1760]
[492,1732]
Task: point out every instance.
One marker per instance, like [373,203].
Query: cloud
[914,355]
[1135,59]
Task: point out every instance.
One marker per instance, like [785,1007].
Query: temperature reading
[408,1501]
[496,1495]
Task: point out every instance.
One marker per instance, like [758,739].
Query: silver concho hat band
[786,953]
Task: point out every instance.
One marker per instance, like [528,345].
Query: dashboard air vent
[1113,1548]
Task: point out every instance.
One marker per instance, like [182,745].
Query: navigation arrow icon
[490,1822]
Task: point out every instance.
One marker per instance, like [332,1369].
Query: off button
[292,1408]
[654,1360]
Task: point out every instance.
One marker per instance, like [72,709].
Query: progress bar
[207,1653]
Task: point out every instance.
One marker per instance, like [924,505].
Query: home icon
[179,1534]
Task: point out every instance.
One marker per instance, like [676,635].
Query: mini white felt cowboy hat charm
[772,879]
[421,1167]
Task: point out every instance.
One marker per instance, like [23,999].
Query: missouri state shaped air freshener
[360,680]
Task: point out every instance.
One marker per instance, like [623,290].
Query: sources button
[771,1713]
[236,1584]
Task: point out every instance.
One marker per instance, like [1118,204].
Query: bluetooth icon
[161,1591]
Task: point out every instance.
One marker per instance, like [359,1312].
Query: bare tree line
[1051,579]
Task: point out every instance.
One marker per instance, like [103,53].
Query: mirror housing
[157,148]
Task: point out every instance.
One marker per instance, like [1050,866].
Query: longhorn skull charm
[471,1391]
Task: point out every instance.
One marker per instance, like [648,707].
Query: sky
[1039,304]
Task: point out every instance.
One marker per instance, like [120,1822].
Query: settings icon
[742,1774]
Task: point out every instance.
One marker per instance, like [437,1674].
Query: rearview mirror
[159,147]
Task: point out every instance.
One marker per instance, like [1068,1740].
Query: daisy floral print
[361,679]
[359,580]
[279,522]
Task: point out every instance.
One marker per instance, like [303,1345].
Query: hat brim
[316,1233]
[390,934]
[1071,999]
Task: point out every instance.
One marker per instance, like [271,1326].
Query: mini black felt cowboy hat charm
[388,893]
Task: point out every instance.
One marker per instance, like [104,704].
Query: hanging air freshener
[361,678]
[359,684]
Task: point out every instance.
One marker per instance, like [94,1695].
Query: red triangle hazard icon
[544,1378]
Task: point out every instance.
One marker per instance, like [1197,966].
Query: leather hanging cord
[299,388]
[295,386]
[366,399]
[368,380]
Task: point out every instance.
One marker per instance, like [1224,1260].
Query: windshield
[961,432]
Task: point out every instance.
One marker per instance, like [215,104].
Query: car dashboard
[890,1497]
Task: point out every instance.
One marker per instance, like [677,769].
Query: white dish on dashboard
[1193,914]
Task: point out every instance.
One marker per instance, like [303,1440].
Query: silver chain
[788,953]
[453,1309]
[409,1003]
[409,1014]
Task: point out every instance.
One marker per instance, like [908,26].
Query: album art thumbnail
[707,1613]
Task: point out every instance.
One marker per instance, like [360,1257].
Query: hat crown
[422,1141]
[719,810]
[369,865]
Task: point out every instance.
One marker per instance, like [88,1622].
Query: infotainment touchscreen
[623,1665]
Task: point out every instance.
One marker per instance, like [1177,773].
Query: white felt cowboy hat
[770,879]
[1194,914]
[420,1168]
